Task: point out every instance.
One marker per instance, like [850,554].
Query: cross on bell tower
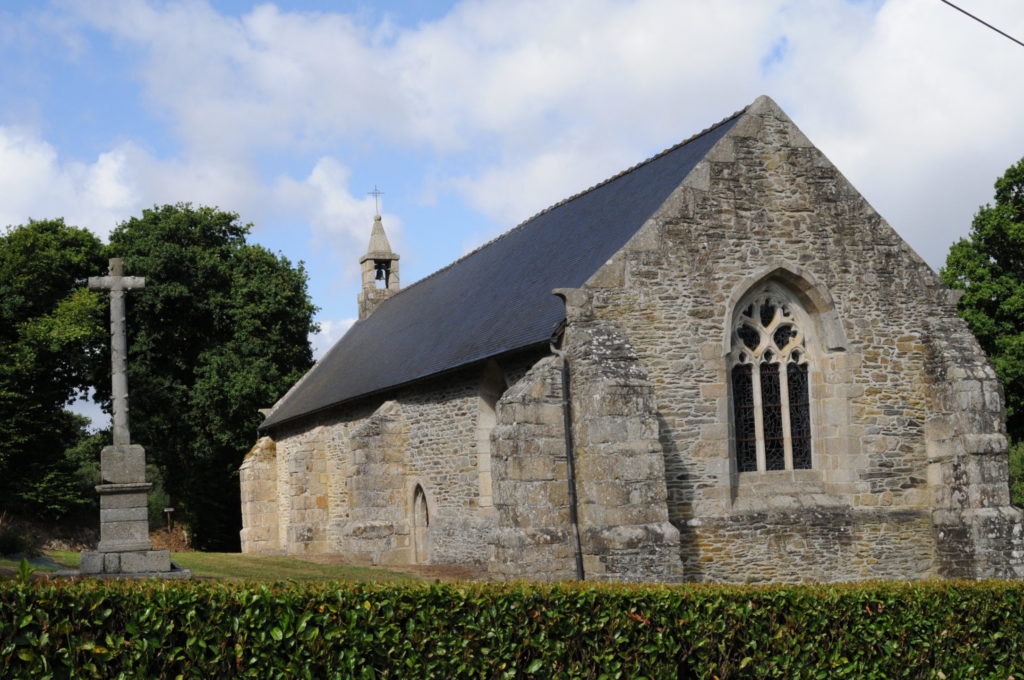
[376,193]
[379,266]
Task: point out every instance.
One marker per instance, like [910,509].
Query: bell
[380,274]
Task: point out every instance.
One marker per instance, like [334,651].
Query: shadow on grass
[235,566]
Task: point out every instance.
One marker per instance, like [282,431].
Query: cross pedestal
[124,550]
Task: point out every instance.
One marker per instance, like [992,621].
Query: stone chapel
[719,365]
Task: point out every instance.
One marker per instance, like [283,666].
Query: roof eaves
[265,425]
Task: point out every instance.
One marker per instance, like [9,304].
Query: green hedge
[213,630]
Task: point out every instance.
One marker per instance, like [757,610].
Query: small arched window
[768,366]
[420,526]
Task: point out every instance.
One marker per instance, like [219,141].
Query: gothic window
[770,392]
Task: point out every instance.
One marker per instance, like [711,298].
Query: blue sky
[472,116]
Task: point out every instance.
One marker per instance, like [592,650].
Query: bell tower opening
[382,275]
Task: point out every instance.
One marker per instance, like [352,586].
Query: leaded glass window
[770,387]
[746,432]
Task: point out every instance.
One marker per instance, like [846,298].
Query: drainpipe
[570,460]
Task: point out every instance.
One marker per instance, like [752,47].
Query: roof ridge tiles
[569,199]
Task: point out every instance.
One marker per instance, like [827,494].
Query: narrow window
[770,391]
[771,407]
[800,416]
[743,408]
[420,526]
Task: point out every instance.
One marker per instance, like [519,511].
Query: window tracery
[770,386]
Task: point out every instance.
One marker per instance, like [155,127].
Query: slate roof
[498,298]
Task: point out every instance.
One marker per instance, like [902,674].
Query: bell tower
[380,271]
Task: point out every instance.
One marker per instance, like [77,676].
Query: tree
[53,338]
[988,266]
[220,331]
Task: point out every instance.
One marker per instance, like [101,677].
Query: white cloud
[338,219]
[331,331]
[35,183]
[916,112]
[503,80]
[524,67]
[545,178]
[525,102]
[563,95]
[266,80]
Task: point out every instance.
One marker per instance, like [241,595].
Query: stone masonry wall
[766,206]
[303,488]
[346,479]
[821,543]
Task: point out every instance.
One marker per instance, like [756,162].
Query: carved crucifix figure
[117,283]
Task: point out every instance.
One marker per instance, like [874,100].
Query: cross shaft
[117,283]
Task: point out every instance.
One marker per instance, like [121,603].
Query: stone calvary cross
[117,283]
[125,550]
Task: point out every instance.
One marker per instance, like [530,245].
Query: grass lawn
[251,567]
[6,563]
[277,568]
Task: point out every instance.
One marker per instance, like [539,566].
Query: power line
[983,22]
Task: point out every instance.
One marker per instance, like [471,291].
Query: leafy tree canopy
[988,266]
[219,331]
[52,339]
